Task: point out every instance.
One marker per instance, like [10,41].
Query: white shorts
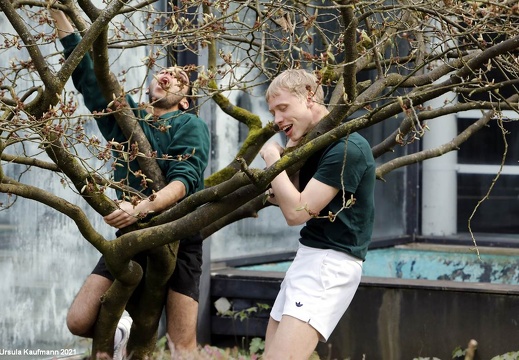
[318,288]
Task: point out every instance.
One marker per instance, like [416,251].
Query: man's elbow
[294,220]
[183,191]
[292,223]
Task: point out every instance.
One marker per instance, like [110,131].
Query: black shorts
[186,277]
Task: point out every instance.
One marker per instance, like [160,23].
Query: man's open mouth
[286,128]
[164,83]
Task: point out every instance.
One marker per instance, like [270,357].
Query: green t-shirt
[351,230]
[171,135]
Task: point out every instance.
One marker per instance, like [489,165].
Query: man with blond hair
[325,274]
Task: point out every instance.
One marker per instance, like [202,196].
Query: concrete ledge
[390,318]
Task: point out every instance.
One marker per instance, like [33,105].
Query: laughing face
[292,114]
[168,88]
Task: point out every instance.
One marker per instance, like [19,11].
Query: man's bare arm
[63,25]
[128,214]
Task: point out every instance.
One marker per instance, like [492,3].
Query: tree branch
[11,186]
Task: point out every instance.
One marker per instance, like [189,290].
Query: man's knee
[83,312]
[78,325]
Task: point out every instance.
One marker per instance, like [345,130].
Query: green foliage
[458,353]
[508,356]
[245,313]
[257,345]
[161,343]
[224,308]
[208,352]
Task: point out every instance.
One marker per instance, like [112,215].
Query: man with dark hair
[171,132]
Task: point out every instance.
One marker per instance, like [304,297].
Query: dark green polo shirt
[351,231]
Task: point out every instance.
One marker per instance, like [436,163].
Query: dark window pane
[499,213]
[486,147]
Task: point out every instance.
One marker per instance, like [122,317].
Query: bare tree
[409,53]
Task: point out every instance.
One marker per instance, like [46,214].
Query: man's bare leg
[291,338]
[271,332]
[181,319]
[83,312]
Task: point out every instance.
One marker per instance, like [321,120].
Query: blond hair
[300,83]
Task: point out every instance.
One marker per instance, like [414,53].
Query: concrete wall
[390,319]
[402,319]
